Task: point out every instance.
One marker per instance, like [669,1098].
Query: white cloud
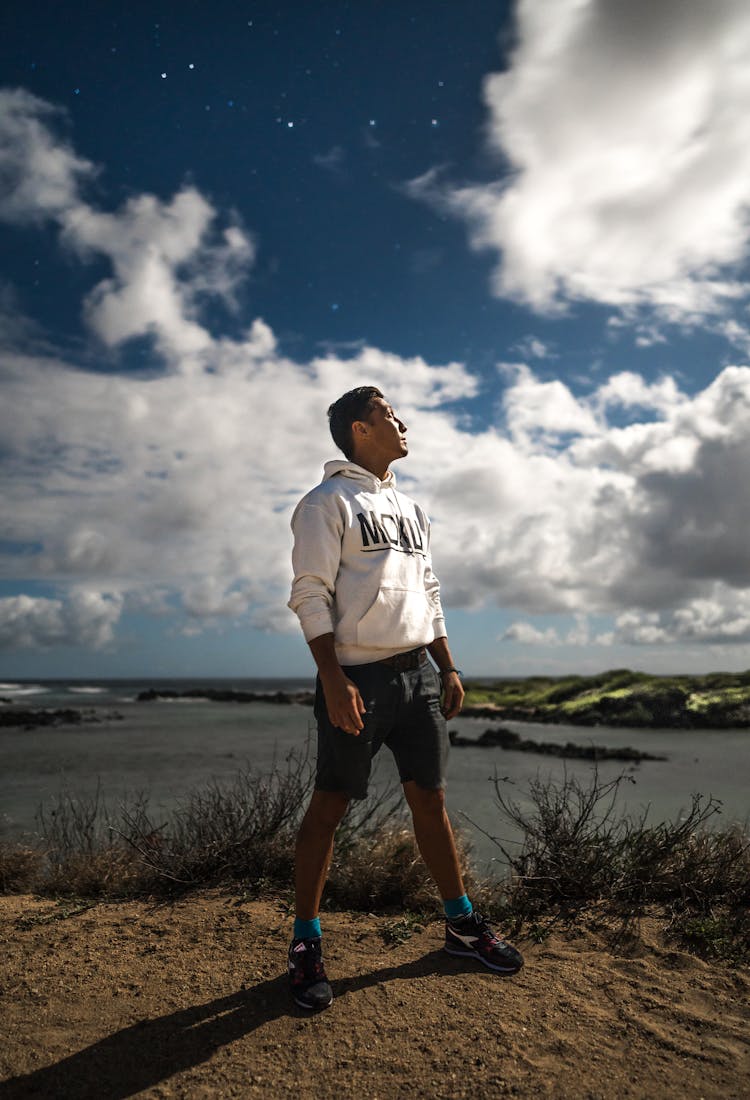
[530,347]
[84,617]
[173,492]
[184,485]
[545,409]
[175,489]
[647,519]
[629,390]
[527,634]
[40,173]
[187,480]
[27,621]
[165,255]
[163,259]
[624,130]
[721,617]
[91,616]
[208,598]
[332,161]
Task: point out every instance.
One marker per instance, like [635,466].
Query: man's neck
[374,467]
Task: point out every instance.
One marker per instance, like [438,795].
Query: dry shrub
[244,829]
[111,871]
[578,852]
[377,865]
[19,868]
[382,872]
[82,854]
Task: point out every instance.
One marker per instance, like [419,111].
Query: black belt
[403,662]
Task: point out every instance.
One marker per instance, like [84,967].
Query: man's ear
[359,428]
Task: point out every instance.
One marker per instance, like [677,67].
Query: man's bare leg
[315,849]
[434,835]
[435,838]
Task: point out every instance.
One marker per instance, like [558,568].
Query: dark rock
[225,695]
[499,737]
[506,739]
[30,718]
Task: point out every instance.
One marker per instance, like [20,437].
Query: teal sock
[306,929]
[455,908]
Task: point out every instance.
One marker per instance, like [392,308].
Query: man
[369,606]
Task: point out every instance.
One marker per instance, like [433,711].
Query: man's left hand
[453,695]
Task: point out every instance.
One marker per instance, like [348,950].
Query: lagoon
[166,748]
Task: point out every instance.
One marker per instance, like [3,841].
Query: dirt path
[189,1000]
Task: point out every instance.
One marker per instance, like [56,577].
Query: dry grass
[577,852]
[20,868]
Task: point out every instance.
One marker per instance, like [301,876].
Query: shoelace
[485,934]
[308,966]
[489,938]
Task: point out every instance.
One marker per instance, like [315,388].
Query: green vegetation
[620,698]
[577,856]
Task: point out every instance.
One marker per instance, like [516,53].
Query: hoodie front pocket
[397,616]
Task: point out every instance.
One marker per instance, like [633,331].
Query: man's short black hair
[354,405]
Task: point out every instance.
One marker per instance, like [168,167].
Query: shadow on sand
[149,1052]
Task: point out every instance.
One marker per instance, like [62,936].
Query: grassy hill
[618,698]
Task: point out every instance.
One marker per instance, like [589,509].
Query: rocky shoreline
[32,717]
[12,716]
[513,742]
[222,695]
[617,699]
[610,712]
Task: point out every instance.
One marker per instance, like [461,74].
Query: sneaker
[471,937]
[308,983]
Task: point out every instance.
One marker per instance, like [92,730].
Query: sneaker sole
[312,1008]
[490,966]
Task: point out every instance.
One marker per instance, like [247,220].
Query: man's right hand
[344,704]
[343,701]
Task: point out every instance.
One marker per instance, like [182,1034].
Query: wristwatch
[444,672]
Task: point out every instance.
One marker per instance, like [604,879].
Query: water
[165,748]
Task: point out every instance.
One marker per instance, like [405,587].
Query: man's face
[386,434]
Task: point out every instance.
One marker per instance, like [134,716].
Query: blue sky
[528,223]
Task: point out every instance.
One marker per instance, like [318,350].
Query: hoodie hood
[344,468]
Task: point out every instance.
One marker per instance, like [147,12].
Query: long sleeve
[432,589]
[431,583]
[315,559]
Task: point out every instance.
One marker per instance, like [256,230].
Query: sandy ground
[190,1000]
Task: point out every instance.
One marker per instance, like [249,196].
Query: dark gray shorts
[403,712]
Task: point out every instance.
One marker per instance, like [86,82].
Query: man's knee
[326,809]
[424,801]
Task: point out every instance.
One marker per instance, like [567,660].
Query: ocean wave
[87,691]
[23,689]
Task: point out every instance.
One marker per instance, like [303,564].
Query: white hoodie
[362,567]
